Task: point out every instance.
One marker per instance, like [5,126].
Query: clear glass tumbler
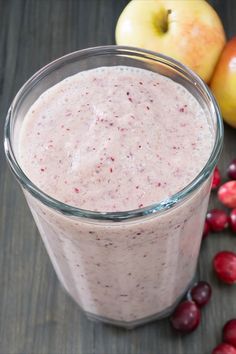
[124,268]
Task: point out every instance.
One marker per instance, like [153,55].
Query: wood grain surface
[36,316]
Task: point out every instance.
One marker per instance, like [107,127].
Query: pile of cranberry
[187,315]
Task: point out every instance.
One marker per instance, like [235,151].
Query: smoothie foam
[114,139]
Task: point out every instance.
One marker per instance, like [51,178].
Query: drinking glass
[131,267]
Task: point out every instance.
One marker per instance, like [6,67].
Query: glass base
[135,323]
[141,321]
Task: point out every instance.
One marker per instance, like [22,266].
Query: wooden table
[36,316]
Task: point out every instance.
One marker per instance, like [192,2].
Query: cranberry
[224,264]
[216,180]
[206,230]
[224,348]
[229,332]
[186,317]
[232,170]
[201,293]
[217,219]
[233,220]
[227,194]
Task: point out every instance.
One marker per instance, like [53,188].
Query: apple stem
[162,21]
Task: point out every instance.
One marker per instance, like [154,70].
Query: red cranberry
[186,317]
[217,219]
[216,180]
[201,293]
[232,170]
[224,348]
[206,230]
[224,264]
[233,220]
[229,332]
[227,194]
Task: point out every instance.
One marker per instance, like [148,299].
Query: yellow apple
[223,82]
[187,30]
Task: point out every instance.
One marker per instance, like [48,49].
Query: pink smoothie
[117,139]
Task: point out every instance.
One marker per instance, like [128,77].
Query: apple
[189,31]
[223,82]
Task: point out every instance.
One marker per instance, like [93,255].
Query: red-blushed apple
[223,82]
[189,31]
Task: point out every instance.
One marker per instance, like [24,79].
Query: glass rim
[154,208]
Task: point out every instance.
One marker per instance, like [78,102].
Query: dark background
[36,316]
